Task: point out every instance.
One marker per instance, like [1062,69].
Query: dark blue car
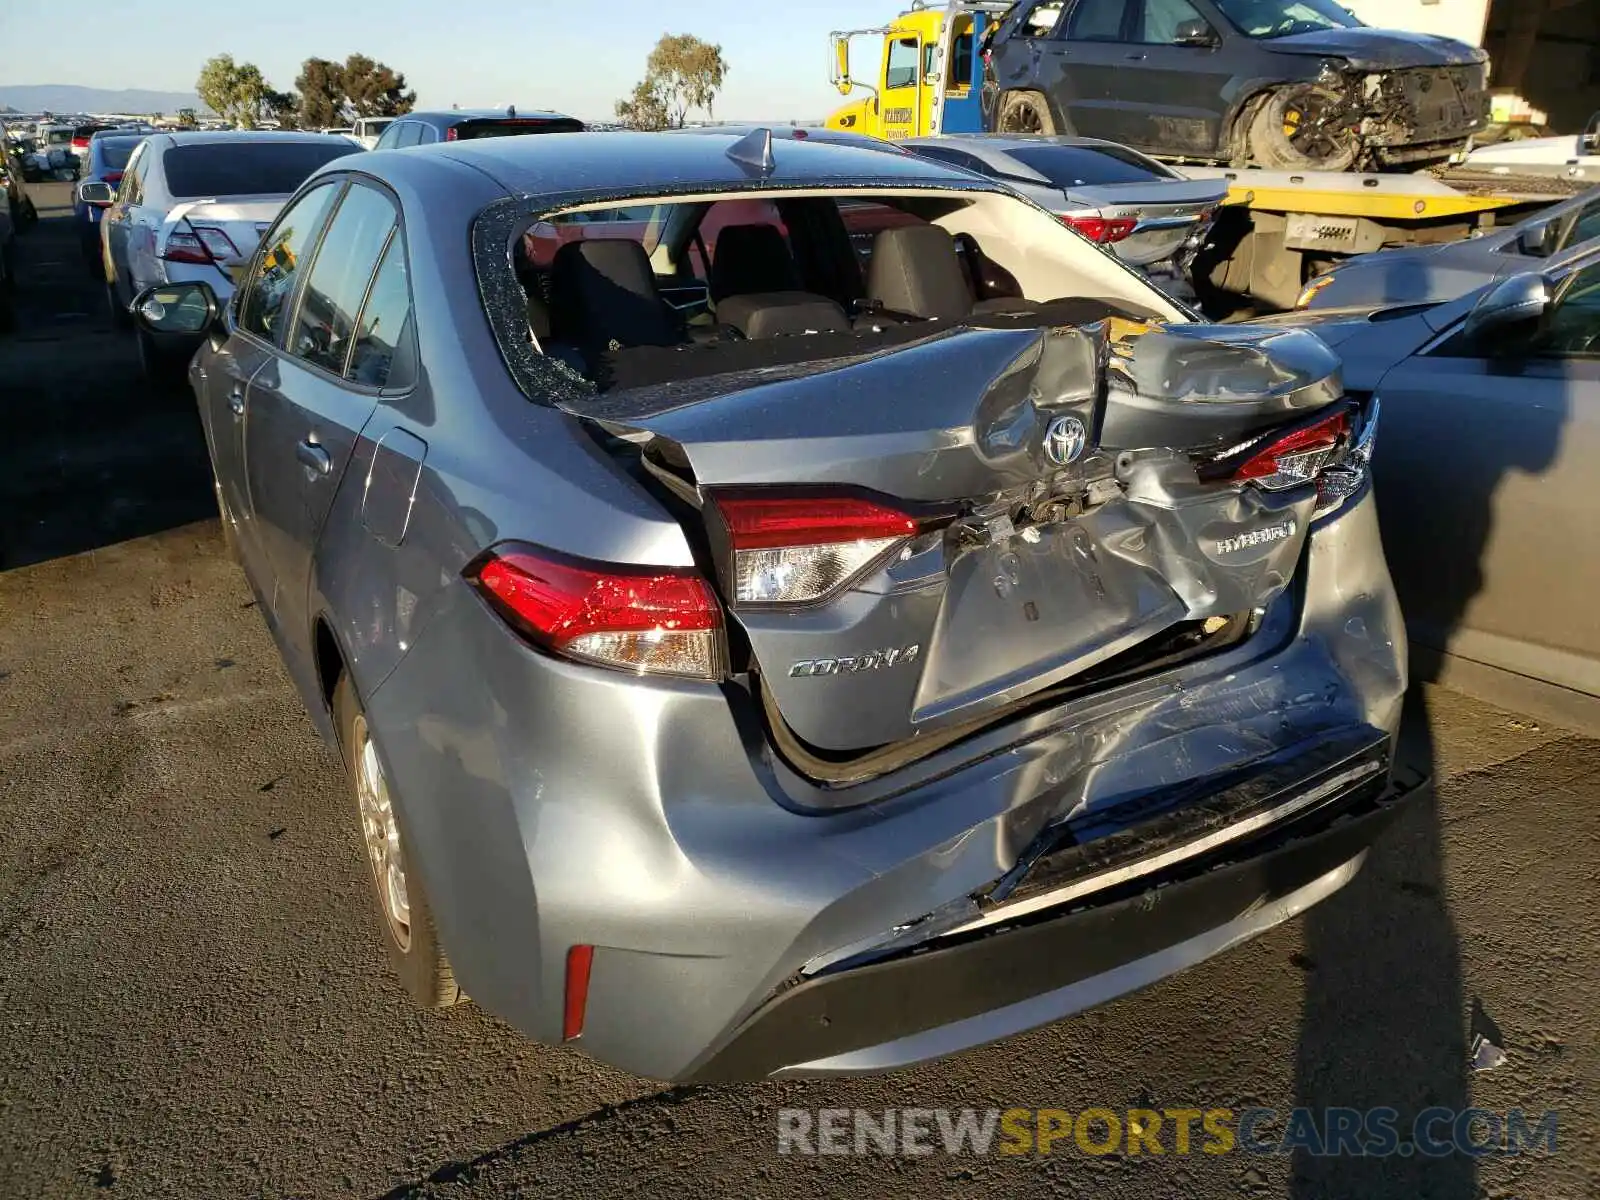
[107,155]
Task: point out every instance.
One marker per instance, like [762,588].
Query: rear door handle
[313,457]
[1137,57]
[236,401]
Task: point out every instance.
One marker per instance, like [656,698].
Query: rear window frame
[497,228]
[181,148]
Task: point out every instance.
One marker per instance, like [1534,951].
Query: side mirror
[1539,241]
[1509,302]
[841,64]
[1196,33]
[177,308]
[97,193]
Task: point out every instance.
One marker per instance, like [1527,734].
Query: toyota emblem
[1064,440]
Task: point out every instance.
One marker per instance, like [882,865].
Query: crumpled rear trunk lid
[1061,481]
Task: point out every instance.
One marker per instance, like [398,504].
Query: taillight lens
[1104,230]
[199,244]
[450,134]
[650,620]
[1320,451]
[798,549]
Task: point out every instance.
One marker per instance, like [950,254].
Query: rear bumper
[937,999]
[551,805]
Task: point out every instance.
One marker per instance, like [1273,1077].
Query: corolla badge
[1064,440]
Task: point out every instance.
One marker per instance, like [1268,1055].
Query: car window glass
[1280,18]
[264,309]
[410,133]
[390,137]
[344,267]
[1096,21]
[1041,20]
[961,61]
[901,70]
[1159,21]
[1572,328]
[1586,227]
[642,223]
[247,167]
[1085,166]
[382,355]
[132,189]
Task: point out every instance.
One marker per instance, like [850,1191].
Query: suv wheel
[1299,129]
[1025,112]
[409,935]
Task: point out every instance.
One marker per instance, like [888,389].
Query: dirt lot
[193,1000]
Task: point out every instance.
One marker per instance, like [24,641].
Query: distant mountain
[69,98]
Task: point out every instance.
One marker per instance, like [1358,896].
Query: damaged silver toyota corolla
[797,611]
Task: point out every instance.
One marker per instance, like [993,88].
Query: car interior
[659,293]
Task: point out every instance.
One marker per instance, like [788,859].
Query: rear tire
[1285,134]
[1025,112]
[409,935]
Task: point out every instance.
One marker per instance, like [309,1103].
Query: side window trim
[396,239]
[349,183]
[341,183]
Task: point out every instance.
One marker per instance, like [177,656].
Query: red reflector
[1324,435]
[1104,230]
[761,522]
[580,961]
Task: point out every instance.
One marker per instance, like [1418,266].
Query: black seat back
[751,259]
[603,296]
[915,271]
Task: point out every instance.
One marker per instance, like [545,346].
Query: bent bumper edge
[923,1005]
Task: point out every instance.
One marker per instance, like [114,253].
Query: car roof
[796,133]
[457,115]
[208,137]
[634,163]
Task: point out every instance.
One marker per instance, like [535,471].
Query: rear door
[258,325]
[1176,97]
[309,402]
[1506,433]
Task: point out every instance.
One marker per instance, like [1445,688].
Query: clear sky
[578,56]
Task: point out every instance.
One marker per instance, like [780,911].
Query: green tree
[373,89]
[645,109]
[234,91]
[321,87]
[682,73]
[282,107]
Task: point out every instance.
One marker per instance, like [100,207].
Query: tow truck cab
[928,75]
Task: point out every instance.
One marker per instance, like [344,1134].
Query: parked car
[899,661]
[51,157]
[1298,84]
[1422,274]
[193,206]
[1567,157]
[105,158]
[1496,396]
[461,125]
[1149,215]
[367,130]
[19,205]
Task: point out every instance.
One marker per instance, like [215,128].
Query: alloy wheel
[381,833]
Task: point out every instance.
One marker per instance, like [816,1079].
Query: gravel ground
[195,1001]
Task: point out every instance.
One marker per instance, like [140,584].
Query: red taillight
[1284,460]
[113,176]
[761,522]
[798,549]
[450,134]
[1103,230]
[650,620]
[185,248]
[580,962]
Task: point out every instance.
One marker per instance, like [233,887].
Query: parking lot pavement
[193,1000]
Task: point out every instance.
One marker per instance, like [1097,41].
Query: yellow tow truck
[1277,229]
